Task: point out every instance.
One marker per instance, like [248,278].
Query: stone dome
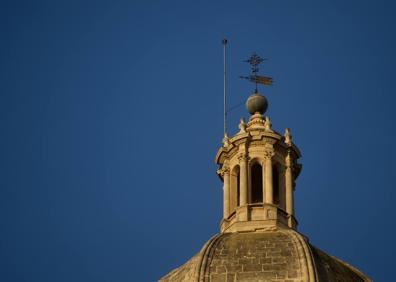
[273,255]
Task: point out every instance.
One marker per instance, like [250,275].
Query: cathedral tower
[258,239]
[258,167]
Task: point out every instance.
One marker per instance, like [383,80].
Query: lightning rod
[225,83]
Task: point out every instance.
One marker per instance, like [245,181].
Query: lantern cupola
[258,168]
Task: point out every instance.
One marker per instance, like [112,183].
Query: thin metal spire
[224,41]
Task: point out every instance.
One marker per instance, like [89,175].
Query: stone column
[289,187]
[243,184]
[225,171]
[267,175]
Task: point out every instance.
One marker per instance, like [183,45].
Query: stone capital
[268,154]
[224,170]
[243,157]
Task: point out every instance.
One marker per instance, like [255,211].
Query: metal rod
[225,84]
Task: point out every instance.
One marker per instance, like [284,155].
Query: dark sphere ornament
[256,103]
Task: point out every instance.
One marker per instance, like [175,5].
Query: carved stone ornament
[226,140]
[271,214]
[225,169]
[243,157]
[288,137]
[268,154]
[256,122]
[267,124]
[242,126]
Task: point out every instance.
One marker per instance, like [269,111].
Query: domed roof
[281,254]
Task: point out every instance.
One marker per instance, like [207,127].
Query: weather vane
[254,61]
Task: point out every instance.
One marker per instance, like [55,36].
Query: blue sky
[111,115]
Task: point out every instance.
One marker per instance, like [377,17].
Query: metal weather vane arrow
[254,61]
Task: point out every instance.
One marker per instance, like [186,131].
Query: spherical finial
[256,103]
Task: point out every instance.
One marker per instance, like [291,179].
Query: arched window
[235,190]
[275,184]
[257,183]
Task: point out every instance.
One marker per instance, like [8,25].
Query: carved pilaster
[267,173]
[224,171]
[289,161]
[289,187]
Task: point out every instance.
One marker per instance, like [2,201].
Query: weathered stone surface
[282,255]
[258,256]
[184,273]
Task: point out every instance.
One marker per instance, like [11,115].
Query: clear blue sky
[111,115]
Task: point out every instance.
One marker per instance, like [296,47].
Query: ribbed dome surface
[278,255]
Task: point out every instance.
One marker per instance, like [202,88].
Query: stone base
[255,217]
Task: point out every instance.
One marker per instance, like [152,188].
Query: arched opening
[235,188]
[256,183]
[275,184]
[238,189]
